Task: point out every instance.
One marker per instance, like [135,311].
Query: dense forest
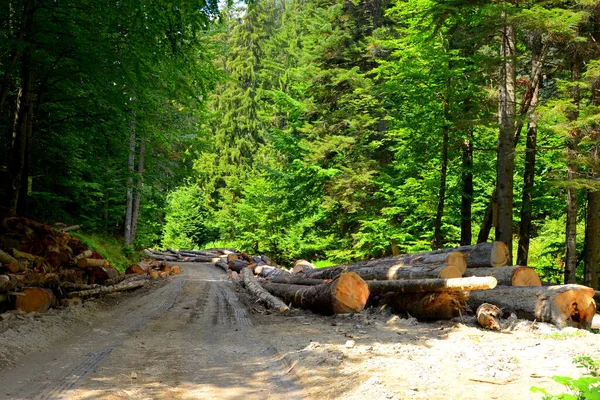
[338,130]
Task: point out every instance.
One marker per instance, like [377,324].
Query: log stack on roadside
[42,265]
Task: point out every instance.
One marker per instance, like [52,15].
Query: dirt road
[191,338]
[196,337]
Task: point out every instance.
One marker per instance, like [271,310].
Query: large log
[84,263]
[302,265]
[389,272]
[428,305]
[432,285]
[347,293]
[257,290]
[270,272]
[491,254]
[126,285]
[34,299]
[237,265]
[85,254]
[508,275]
[223,265]
[297,280]
[562,305]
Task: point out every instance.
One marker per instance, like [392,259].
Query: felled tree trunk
[432,285]
[269,272]
[257,290]
[11,263]
[296,280]
[302,265]
[490,254]
[34,299]
[430,305]
[84,263]
[386,272]
[563,305]
[348,293]
[509,275]
[237,265]
[126,285]
[392,264]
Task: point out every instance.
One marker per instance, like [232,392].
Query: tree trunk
[564,305]
[432,285]
[138,190]
[437,224]
[467,192]
[572,150]
[269,272]
[120,287]
[488,220]
[131,171]
[506,158]
[537,63]
[347,293]
[84,263]
[386,272]
[513,275]
[257,290]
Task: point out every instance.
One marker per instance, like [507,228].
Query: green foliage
[186,222]
[586,387]
[111,248]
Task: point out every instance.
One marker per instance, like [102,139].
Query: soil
[201,336]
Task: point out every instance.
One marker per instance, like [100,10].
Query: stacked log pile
[42,266]
[439,284]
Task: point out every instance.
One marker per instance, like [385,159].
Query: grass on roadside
[110,248]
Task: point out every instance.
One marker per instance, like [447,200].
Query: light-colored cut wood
[432,285]
[34,299]
[257,290]
[508,275]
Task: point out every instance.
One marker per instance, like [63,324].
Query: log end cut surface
[577,307]
[499,255]
[350,293]
[34,300]
[525,276]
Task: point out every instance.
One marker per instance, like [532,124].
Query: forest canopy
[337,130]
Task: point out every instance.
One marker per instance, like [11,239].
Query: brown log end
[458,260]
[13,267]
[232,257]
[154,274]
[499,256]
[34,299]
[175,270]
[525,276]
[451,271]
[163,274]
[135,269]
[166,269]
[301,266]
[488,315]
[577,307]
[350,293]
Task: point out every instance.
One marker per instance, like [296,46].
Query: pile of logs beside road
[42,266]
[432,285]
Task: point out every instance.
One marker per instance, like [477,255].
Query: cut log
[491,254]
[4,281]
[432,285]
[302,265]
[99,275]
[562,305]
[199,259]
[223,265]
[85,254]
[257,290]
[154,274]
[387,272]
[348,293]
[126,285]
[509,275]
[175,270]
[141,268]
[84,263]
[232,257]
[428,306]
[237,265]
[10,261]
[163,274]
[166,269]
[72,287]
[296,280]
[20,255]
[269,272]
[268,261]
[488,316]
[34,299]
[122,278]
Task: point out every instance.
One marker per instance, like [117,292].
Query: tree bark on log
[301,266]
[432,285]
[438,257]
[122,278]
[257,290]
[490,254]
[428,306]
[34,299]
[223,265]
[237,265]
[84,263]
[7,260]
[387,272]
[509,275]
[562,305]
[126,285]
[296,280]
[348,293]
[269,272]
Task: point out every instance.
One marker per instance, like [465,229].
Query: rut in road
[191,338]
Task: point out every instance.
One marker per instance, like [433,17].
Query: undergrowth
[114,251]
[585,388]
